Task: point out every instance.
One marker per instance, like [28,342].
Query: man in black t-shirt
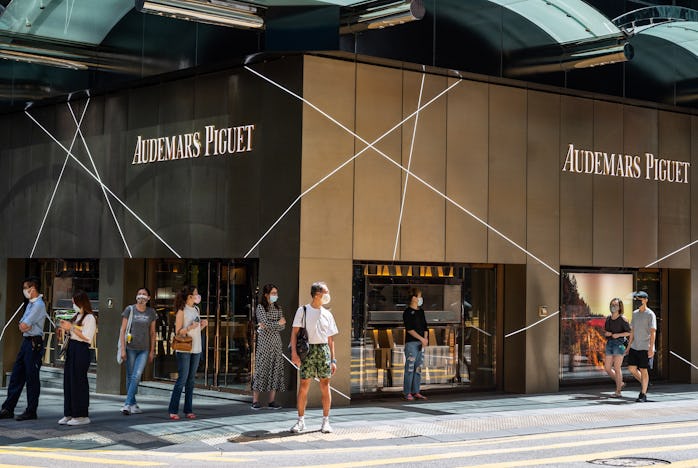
[416,340]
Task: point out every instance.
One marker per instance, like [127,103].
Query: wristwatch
[334,361]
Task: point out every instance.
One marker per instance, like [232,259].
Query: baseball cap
[640,295]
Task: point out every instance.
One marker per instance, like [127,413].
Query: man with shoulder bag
[320,362]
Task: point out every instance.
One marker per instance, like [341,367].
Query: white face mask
[420,301]
[197,299]
[142,299]
[615,308]
[26,293]
[273,299]
[76,308]
[326,298]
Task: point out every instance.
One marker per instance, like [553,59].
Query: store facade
[488,199]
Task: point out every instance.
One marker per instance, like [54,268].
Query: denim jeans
[414,357]
[135,363]
[187,363]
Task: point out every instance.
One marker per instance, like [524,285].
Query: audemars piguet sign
[212,142]
[648,166]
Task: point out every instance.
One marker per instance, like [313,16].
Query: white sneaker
[135,409]
[64,420]
[298,427]
[78,421]
[126,410]
[326,428]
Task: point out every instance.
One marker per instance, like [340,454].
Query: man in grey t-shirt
[640,351]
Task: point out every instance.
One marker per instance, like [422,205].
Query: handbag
[126,338]
[63,347]
[302,344]
[182,343]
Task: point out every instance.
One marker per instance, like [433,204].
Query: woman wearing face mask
[137,345]
[187,322]
[617,329]
[76,390]
[416,341]
[269,364]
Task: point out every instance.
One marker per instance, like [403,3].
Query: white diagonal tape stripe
[532,325]
[672,253]
[371,145]
[99,179]
[684,360]
[55,189]
[409,165]
[329,117]
[133,213]
[316,379]
[10,321]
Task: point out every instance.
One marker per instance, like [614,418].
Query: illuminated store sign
[648,167]
[213,142]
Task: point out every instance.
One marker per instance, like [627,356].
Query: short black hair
[33,281]
[318,286]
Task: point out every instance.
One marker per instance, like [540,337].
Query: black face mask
[637,304]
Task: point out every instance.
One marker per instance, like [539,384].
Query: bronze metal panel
[422,233]
[576,207]
[543,340]
[327,211]
[543,218]
[507,174]
[674,198]
[640,214]
[607,223]
[377,182]
[467,146]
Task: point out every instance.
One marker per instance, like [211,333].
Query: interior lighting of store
[380,14]
[216,12]
[426,271]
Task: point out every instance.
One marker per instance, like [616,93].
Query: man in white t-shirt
[320,362]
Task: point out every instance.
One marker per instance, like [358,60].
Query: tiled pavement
[228,422]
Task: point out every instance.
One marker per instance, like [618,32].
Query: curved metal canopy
[55,47]
[564,20]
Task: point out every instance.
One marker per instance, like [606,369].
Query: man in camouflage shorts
[320,362]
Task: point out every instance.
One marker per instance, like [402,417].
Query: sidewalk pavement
[225,423]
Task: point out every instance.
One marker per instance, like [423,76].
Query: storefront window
[60,280]
[459,304]
[584,307]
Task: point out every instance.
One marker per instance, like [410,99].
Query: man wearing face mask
[643,331]
[28,362]
[320,362]
[416,341]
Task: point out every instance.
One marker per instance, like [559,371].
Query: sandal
[190,416]
[174,417]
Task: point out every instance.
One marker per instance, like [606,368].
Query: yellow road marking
[587,456]
[52,455]
[476,453]
[18,466]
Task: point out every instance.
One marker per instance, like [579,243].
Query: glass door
[226,293]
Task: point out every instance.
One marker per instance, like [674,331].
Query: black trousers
[25,370]
[76,390]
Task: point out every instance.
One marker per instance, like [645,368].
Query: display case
[460,321]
